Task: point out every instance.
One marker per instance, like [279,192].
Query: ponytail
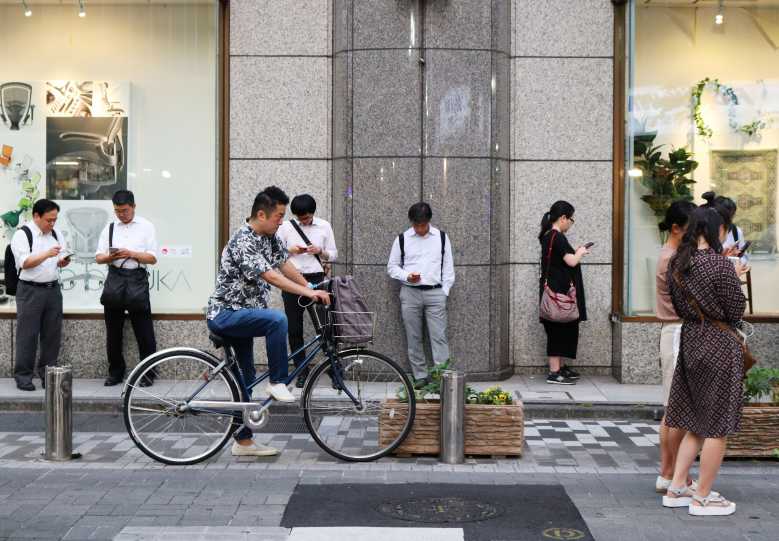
[704,222]
[559,209]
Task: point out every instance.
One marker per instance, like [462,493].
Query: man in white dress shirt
[38,295]
[311,243]
[132,247]
[421,260]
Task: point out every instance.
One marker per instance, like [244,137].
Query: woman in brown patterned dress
[707,390]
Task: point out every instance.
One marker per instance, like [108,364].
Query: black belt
[40,284]
[426,288]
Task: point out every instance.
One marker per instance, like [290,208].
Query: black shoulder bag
[325,266]
[125,289]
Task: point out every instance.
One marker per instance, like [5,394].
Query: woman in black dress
[560,267]
[707,390]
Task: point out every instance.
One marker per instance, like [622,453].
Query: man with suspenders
[421,260]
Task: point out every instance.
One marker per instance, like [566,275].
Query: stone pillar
[421,112]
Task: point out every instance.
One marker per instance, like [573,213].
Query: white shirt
[730,240]
[47,271]
[320,233]
[423,255]
[137,236]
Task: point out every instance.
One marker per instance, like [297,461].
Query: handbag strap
[549,255]
[305,239]
[716,322]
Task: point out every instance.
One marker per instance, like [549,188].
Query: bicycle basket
[352,327]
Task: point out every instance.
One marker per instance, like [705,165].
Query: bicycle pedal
[255,418]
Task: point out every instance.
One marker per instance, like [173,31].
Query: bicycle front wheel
[156,417]
[370,423]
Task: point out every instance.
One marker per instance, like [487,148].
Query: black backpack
[9,264]
[401,243]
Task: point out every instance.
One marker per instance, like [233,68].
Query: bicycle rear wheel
[380,419]
[153,415]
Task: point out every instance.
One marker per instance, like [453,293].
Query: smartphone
[735,260]
[67,254]
[589,245]
[113,250]
[743,251]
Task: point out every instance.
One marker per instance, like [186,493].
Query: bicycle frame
[322,342]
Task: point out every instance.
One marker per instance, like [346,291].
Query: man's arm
[102,256]
[393,265]
[21,250]
[277,279]
[330,252]
[291,272]
[447,276]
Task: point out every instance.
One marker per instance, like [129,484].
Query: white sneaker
[255,449]
[662,484]
[279,392]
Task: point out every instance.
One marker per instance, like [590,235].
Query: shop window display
[703,115]
[124,97]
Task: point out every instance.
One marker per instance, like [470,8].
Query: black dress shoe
[25,386]
[110,381]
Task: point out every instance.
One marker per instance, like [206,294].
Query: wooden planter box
[759,434]
[489,430]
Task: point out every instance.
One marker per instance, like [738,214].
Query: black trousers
[143,328]
[295,318]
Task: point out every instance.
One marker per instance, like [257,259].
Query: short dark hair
[123,197]
[303,204]
[420,213]
[42,206]
[268,199]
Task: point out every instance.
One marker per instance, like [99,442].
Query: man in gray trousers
[39,251]
[421,260]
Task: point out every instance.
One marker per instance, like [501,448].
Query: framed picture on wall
[749,177]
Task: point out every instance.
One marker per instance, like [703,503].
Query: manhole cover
[440,510]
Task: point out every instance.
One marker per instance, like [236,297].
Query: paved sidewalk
[529,389]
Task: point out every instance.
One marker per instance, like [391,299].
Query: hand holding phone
[746,247]
[589,245]
[112,250]
[414,277]
[67,254]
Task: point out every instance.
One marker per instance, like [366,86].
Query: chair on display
[747,281]
[86,224]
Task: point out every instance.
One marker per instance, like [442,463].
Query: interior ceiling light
[719,18]
[27,10]
[82,12]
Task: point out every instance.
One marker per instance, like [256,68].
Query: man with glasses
[127,244]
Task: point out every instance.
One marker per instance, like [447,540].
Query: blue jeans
[239,327]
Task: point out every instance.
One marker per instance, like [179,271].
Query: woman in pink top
[675,224]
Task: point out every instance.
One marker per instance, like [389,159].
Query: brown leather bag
[749,359]
[557,307]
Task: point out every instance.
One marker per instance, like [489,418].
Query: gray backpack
[352,321]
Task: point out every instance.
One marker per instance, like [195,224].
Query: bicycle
[358,405]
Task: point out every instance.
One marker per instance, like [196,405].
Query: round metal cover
[440,510]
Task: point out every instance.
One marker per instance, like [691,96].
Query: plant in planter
[666,179]
[493,424]
[759,432]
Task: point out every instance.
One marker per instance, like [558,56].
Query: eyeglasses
[571,220]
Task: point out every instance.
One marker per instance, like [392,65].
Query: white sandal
[678,497]
[713,505]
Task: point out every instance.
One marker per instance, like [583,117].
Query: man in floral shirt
[253,260]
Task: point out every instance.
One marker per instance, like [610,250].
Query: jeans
[239,327]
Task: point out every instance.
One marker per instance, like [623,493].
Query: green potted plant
[493,424]
[759,434]
[667,179]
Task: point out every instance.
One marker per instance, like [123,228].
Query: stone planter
[759,434]
[489,430]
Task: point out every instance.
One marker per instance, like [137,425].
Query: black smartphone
[589,245]
[747,244]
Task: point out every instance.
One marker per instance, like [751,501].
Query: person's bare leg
[670,439]
[688,450]
[554,364]
[711,459]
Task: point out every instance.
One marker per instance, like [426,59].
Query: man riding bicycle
[253,261]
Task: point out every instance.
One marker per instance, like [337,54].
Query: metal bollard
[452,418]
[59,413]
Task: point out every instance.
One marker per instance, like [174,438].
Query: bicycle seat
[217,340]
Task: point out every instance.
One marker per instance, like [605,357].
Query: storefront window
[703,87]
[124,97]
